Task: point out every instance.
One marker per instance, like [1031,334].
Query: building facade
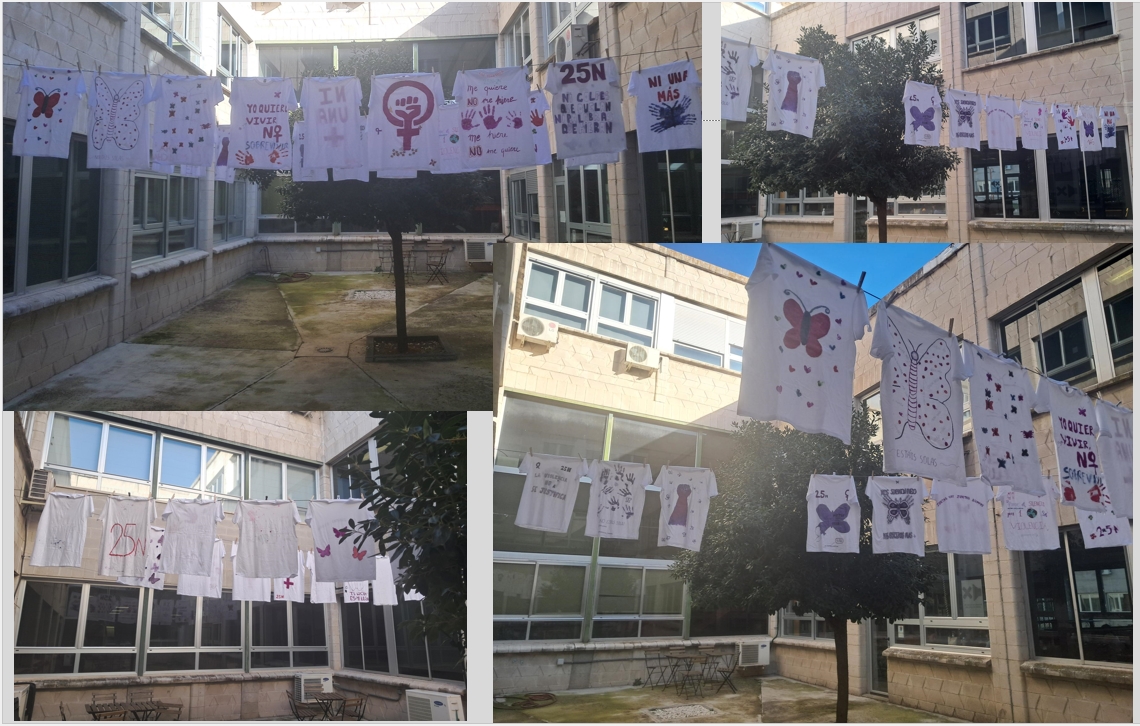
[1004,639]
[79,634]
[1067,53]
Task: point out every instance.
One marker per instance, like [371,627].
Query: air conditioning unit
[479,251]
[308,685]
[36,489]
[641,357]
[534,329]
[432,706]
[754,654]
[579,37]
[747,231]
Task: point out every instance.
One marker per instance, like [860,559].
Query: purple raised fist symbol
[791,98]
[489,119]
[468,122]
[407,113]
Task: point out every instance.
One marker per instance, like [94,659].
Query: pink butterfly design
[358,553]
[338,533]
[326,551]
[924,379]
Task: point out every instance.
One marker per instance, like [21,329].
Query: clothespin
[862,276]
[26,65]
[530,450]
[950,329]
[687,55]
[78,62]
[99,68]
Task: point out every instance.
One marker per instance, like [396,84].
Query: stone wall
[1058,693]
[952,684]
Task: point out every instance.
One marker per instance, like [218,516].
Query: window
[1089,185]
[582,195]
[271,219]
[558,296]
[1004,183]
[75,628]
[953,613]
[194,633]
[736,200]
[708,336]
[801,204]
[288,635]
[672,195]
[638,602]
[538,602]
[1115,281]
[516,42]
[557,19]
[1080,601]
[626,316]
[525,222]
[165,216]
[808,625]
[231,50]
[229,210]
[365,637]
[994,30]
[345,482]
[889,36]
[1062,23]
[175,25]
[1064,351]
[275,480]
[205,470]
[58,200]
[95,455]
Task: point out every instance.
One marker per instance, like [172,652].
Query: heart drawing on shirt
[779,389]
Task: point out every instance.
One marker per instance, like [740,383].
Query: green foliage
[858,144]
[420,505]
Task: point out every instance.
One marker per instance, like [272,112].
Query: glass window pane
[712,623]
[576,293]
[619,591]
[145,245]
[664,595]
[613,304]
[1104,597]
[542,283]
[155,200]
[592,192]
[1067,194]
[375,639]
[302,485]
[351,647]
[128,453]
[986,170]
[223,472]
[1054,24]
[106,662]
[971,594]
[622,334]
[270,658]
[1091,20]
[112,617]
[547,429]
[555,629]
[264,479]
[563,319]
[174,208]
[697,354]
[310,658]
[512,588]
[1110,195]
[1020,176]
[937,596]
[83,229]
[45,220]
[308,624]
[208,661]
[641,312]
[181,463]
[615,628]
[646,443]
[411,653]
[75,442]
[49,617]
[270,624]
[11,208]
[510,630]
[661,628]
[559,590]
[221,621]
[32,663]
[179,239]
[172,620]
[1051,604]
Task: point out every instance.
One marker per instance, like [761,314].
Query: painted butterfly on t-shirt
[116,114]
[807,327]
[671,115]
[45,102]
[326,551]
[1090,128]
[965,115]
[833,519]
[925,119]
[924,378]
[898,508]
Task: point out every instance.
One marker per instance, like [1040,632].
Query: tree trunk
[398,268]
[839,626]
[881,209]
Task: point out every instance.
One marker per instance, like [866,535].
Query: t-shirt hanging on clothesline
[259,122]
[249,589]
[403,122]
[834,517]
[794,84]
[668,107]
[49,101]
[1065,125]
[152,576]
[495,108]
[451,153]
[617,499]
[586,107]
[206,585]
[223,165]
[118,124]
[921,394]
[1087,128]
[302,173]
[190,531]
[62,530]
[356,591]
[1104,529]
[736,63]
[1034,125]
[1108,126]
[896,521]
[799,345]
[965,119]
[332,123]
[1074,437]
[685,495]
[549,492]
[125,522]
[268,536]
[291,588]
[184,119]
[384,586]
[1114,444]
[539,128]
[339,561]
[923,104]
[1001,132]
[1029,521]
[1001,399]
[360,173]
[319,592]
[962,515]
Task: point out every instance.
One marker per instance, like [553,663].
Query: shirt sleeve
[957,363]
[81,86]
[646,477]
[765,267]
[166,511]
[820,79]
[553,82]
[593,470]
[660,481]
[216,94]
[26,80]
[880,348]
[524,465]
[754,56]
[767,65]
[583,469]
[634,83]
[968,357]
[150,512]
[693,69]
[712,484]
[540,103]
[459,90]
[219,511]
[238,511]
[291,99]
[89,505]
[296,514]
[1044,388]
[862,319]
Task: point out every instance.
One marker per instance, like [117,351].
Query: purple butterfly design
[326,551]
[338,533]
[925,119]
[1090,128]
[836,519]
[153,579]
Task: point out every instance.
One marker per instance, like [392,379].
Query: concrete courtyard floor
[767,699]
[263,345]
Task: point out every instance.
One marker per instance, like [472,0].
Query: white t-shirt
[62,530]
[923,104]
[1108,126]
[338,561]
[332,122]
[834,516]
[125,522]
[1114,444]
[356,591]
[223,149]
[291,588]
[259,122]
[1001,399]
[300,171]
[539,128]
[965,119]
[319,592]
[403,121]
[1087,117]
[1065,124]
[896,514]
[360,173]
[184,119]
[49,101]
[206,585]
[153,578]
[921,395]
[384,586]
[794,84]
[252,589]
[1034,125]
[451,148]
[685,495]
[799,345]
[1001,133]
[1103,529]
[586,107]
[736,63]
[550,490]
[191,525]
[495,105]
[266,529]
[962,517]
[668,111]
[1028,521]
[1074,438]
[617,499]
[118,123]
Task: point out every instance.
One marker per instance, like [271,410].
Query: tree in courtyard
[858,144]
[441,201]
[753,555]
[420,510]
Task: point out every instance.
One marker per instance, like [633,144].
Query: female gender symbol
[408,113]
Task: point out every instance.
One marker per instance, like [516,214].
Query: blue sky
[886,265]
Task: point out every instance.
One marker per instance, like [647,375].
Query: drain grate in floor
[382,295]
[680,713]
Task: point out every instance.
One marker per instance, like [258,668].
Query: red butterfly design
[45,102]
[806,328]
[358,553]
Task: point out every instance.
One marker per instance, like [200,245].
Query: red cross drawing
[288,583]
[334,138]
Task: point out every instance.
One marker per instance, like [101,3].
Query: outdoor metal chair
[726,668]
[387,266]
[689,675]
[709,668]
[302,711]
[436,261]
[354,708]
[657,668]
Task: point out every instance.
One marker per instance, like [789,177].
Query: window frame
[801,201]
[165,227]
[203,461]
[641,617]
[103,439]
[187,48]
[237,198]
[923,621]
[302,505]
[727,356]
[549,560]
[197,648]
[1032,311]
[239,44]
[525,222]
[786,613]
[1044,194]
[1031,23]
[290,648]
[517,43]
